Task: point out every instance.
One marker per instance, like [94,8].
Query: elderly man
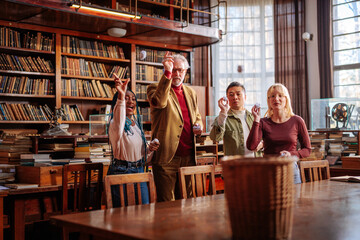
[175,121]
[234,122]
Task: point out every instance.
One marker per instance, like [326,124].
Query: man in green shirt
[234,122]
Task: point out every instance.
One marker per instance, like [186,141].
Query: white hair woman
[280,129]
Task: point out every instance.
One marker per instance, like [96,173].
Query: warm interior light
[116,32]
[108,12]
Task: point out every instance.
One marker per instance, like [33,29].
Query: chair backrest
[82,187]
[198,180]
[219,181]
[314,170]
[206,161]
[131,181]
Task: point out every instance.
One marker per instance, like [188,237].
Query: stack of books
[12,146]
[7,173]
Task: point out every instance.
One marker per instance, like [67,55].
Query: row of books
[72,113]
[84,88]
[145,113]
[26,85]
[25,112]
[82,67]
[140,91]
[153,55]
[150,55]
[28,64]
[121,72]
[148,73]
[334,144]
[46,159]
[93,48]
[12,38]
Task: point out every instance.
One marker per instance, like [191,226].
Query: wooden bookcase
[69,73]
[27,77]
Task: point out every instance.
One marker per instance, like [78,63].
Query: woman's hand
[120,86]
[260,146]
[285,154]
[168,62]
[154,145]
[224,105]
[256,113]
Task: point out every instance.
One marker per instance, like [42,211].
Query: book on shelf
[75,45]
[21,185]
[72,113]
[346,179]
[12,112]
[34,156]
[11,37]
[28,64]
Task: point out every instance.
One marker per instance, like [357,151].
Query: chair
[219,181]
[205,161]
[198,176]
[130,180]
[82,184]
[314,170]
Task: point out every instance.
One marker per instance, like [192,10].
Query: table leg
[18,221]
[1,218]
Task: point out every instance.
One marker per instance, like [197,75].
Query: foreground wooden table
[18,198]
[323,210]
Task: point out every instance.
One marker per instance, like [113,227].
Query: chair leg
[65,233]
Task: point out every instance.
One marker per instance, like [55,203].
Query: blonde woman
[280,129]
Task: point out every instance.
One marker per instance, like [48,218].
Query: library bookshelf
[73,72]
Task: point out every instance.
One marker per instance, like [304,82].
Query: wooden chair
[198,176]
[205,161]
[130,180]
[86,188]
[314,170]
[219,181]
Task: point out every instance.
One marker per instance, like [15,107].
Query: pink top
[125,146]
[280,136]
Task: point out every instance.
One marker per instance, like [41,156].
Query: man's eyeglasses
[178,70]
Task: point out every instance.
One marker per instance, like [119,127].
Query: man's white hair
[182,58]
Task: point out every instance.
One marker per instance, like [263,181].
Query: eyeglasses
[178,70]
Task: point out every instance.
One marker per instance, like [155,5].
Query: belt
[128,164]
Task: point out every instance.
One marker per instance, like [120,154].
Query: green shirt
[232,133]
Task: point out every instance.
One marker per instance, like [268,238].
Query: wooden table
[2,195]
[18,199]
[323,210]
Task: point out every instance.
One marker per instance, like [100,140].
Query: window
[249,43]
[346,48]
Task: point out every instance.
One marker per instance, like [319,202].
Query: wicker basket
[260,195]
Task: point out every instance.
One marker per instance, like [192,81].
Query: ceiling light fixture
[110,13]
[116,32]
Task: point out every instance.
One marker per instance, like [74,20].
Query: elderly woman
[127,138]
[280,129]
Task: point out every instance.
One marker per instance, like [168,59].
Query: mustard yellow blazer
[166,117]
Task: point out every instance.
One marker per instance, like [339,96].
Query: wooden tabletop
[323,210]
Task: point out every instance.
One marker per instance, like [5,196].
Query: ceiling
[58,14]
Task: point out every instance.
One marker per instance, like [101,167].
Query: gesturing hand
[168,62]
[223,105]
[256,113]
[120,86]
